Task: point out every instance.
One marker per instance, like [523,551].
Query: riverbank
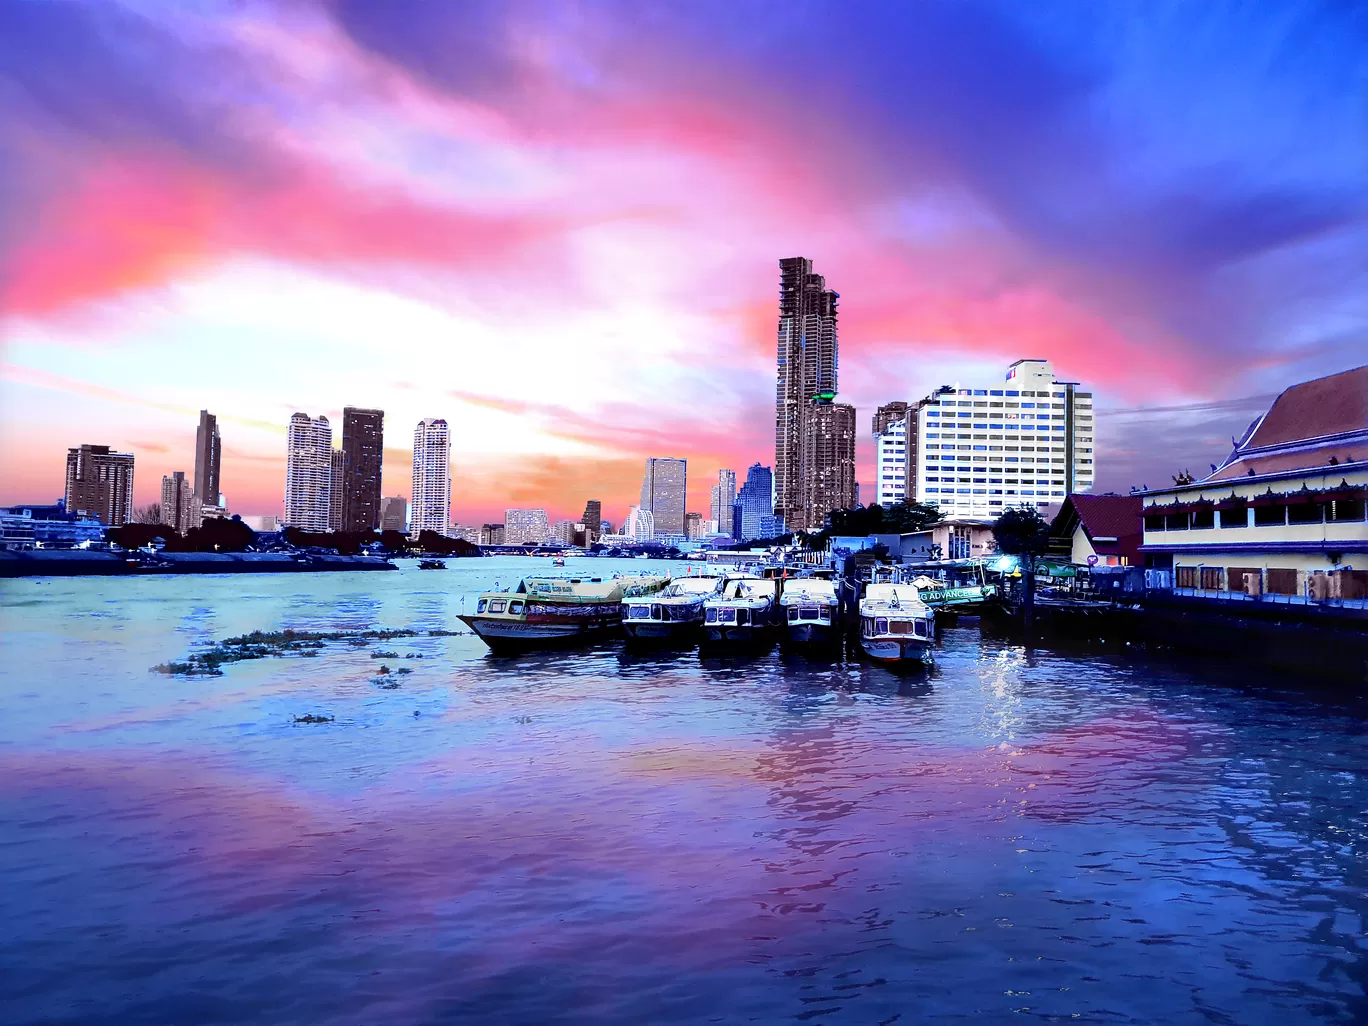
[87,563]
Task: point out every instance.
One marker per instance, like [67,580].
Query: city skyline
[580,197]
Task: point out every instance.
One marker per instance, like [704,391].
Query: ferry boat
[676,612]
[745,610]
[544,611]
[431,564]
[896,626]
[809,608]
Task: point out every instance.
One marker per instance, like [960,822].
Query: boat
[896,626]
[545,611]
[745,610]
[809,609]
[431,564]
[558,561]
[675,613]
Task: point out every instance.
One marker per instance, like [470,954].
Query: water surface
[599,837]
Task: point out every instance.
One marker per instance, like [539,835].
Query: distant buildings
[363,450]
[566,531]
[264,524]
[593,521]
[664,494]
[308,472]
[492,534]
[723,501]
[693,526]
[394,514]
[754,503]
[47,527]
[208,463]
[814,445]
[177,502]
[431,477]
[338,490]
[890,453]
[977,451]
[525,527]
[640,525]
[99,484]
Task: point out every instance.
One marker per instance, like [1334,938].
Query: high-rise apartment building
[99,484]
[431,477]
[693,526]
[809,458]
[1029,441]
[363,451]
[593,521]
[525,527]
[338,490]
[492,534]
[664,493]
[208,460]
[177,503]
[723,501]
[895,450]
[394,514]
[754,502]
[308,472]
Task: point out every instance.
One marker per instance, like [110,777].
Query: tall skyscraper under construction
[814,437]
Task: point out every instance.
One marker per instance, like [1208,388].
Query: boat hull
[507,635]
[811,633]
[661,630]
[898,650]
[738,635]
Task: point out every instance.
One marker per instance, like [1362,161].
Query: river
[596,837]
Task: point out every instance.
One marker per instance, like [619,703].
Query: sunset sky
[558,225]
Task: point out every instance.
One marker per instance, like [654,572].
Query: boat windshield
[687,586]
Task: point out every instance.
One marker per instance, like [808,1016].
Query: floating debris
[404,669]
[264,644]
[383,670]
[383,685]
[312,718]
[384,655]
[413,655]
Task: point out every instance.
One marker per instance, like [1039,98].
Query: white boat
[675,612]
[543,611]
[810,609]
[745,610]
[896,626]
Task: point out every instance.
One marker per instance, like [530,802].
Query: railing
[1266,598]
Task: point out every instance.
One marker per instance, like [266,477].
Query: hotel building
[308,473]
[99,484]
[431,477]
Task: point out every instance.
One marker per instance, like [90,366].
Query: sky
[558,225]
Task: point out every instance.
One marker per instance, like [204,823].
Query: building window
[1280,582]
[1305,513]
[1203,518]
[1154,523]
[1270,516]
[1176,522]
[1213,578]
[1185,576]
[1342,510]
[1234,517]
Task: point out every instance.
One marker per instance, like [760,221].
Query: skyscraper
[176,502]
[693,526]
[431,477]
[807,357]
[363,447]
[337,491]
[394,513]
[525,527]
[99,484]
[208,456]
[829,460]
[664,493]
[308,472]
[593,521]
[754,502]
[723,499]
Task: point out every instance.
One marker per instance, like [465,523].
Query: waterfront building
[99,484]
[53,526]
[16,530]
[1098,530]
[177,503]
[394,513]
[664,493]
[1284,514]
[723,500]
[338,490]
[431,476]
[363,451]
[813,457]
[526,527]
[492,534]
[208,461]
[639,525]
[693,526]
[754,502]
[593,521]
[308,473]
[979,451]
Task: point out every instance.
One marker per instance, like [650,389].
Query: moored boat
[674,613]
[896,626]
[809,609]
[544,611]
[431,564]
[744,611]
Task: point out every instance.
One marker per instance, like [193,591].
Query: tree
[149,514]
[440,544]
[1023,532]
[136,535]
[862,521]
[220,534]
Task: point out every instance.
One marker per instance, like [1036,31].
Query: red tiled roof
[1110,516]
[1303,459]
[1325,406]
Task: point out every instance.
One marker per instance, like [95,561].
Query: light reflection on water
[620,837]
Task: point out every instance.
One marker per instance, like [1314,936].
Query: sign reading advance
[973,594]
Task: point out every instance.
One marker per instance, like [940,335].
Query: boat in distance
[809,609]
[896,626]
[546,611]
[744,611]
[673,613]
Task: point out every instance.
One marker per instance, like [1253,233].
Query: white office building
[978,451]
[640,525]
[430,508]
[308,473]
[526,527]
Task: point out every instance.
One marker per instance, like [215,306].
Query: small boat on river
[431,564]
[546,611]
[674,613]
[745,611]
[896,626]
[809,609]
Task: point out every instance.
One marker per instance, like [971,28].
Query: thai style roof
[1112,522]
